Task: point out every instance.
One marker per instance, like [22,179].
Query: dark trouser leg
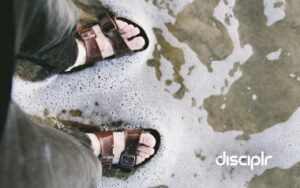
[37,156]
[45,32]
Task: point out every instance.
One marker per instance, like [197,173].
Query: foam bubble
[274,55]
[273,13]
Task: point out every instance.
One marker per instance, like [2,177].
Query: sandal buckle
[127,161]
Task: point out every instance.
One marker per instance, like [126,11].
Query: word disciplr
[243,160]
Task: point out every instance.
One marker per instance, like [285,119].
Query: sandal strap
[93,53]
[106,144]
[128,157]
[110,30]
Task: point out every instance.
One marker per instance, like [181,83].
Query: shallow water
[219,75]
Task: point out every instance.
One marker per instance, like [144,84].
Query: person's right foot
[120,147]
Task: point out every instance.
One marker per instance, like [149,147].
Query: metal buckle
[88,34]
[127,161]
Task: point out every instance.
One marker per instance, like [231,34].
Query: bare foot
[145,150]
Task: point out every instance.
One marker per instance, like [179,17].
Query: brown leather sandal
[126,159]
[111,31]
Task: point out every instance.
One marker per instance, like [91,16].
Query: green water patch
[75,112]
[196,26]
[200,156]
[234,69]
[46,112]
[278,4]
[175,56]
[191,68]
[29,71]
[277,178]
[194,102]
[160,186]
[109,171]
[163,4]
[265,94]
[89,10]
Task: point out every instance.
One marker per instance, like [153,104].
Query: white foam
[274,14]
[223,106]
[292,75]
[254,97]
[274,55]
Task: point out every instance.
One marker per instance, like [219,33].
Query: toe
[131,33]
[126,29]
[121,24]
[136,43]
[139,160]
[147,139]
[146,149]
[142,154]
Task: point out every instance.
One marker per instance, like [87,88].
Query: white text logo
[243,160]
